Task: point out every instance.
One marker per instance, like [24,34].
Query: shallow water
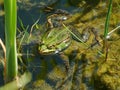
[80,68]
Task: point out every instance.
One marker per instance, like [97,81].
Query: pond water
[81,66]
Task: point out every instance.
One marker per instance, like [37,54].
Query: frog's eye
[64,18]
[57,51]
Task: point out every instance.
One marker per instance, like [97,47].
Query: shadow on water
[1,75]
[37,11]
[2,27]
[42,68]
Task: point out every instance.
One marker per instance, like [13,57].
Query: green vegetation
[108,19]
[11,65]
[106,36]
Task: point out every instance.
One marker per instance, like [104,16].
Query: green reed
[106,34]
[108,19]
[11,65]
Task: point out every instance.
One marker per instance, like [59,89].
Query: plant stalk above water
[11,67]
[105,43]
[108,19]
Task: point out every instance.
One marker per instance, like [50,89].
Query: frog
[54,41]
[56,38]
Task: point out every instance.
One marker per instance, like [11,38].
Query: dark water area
[36,12]
[1,75]
[2,28]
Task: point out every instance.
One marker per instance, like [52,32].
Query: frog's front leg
[50,24]
[96,39]
[65,59]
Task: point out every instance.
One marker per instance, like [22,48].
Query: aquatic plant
[11,67]
[105,43]
[108,19]
[11,64]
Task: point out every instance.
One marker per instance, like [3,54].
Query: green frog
[54,41]
[56,38]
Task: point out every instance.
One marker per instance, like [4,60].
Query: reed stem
[11,69]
